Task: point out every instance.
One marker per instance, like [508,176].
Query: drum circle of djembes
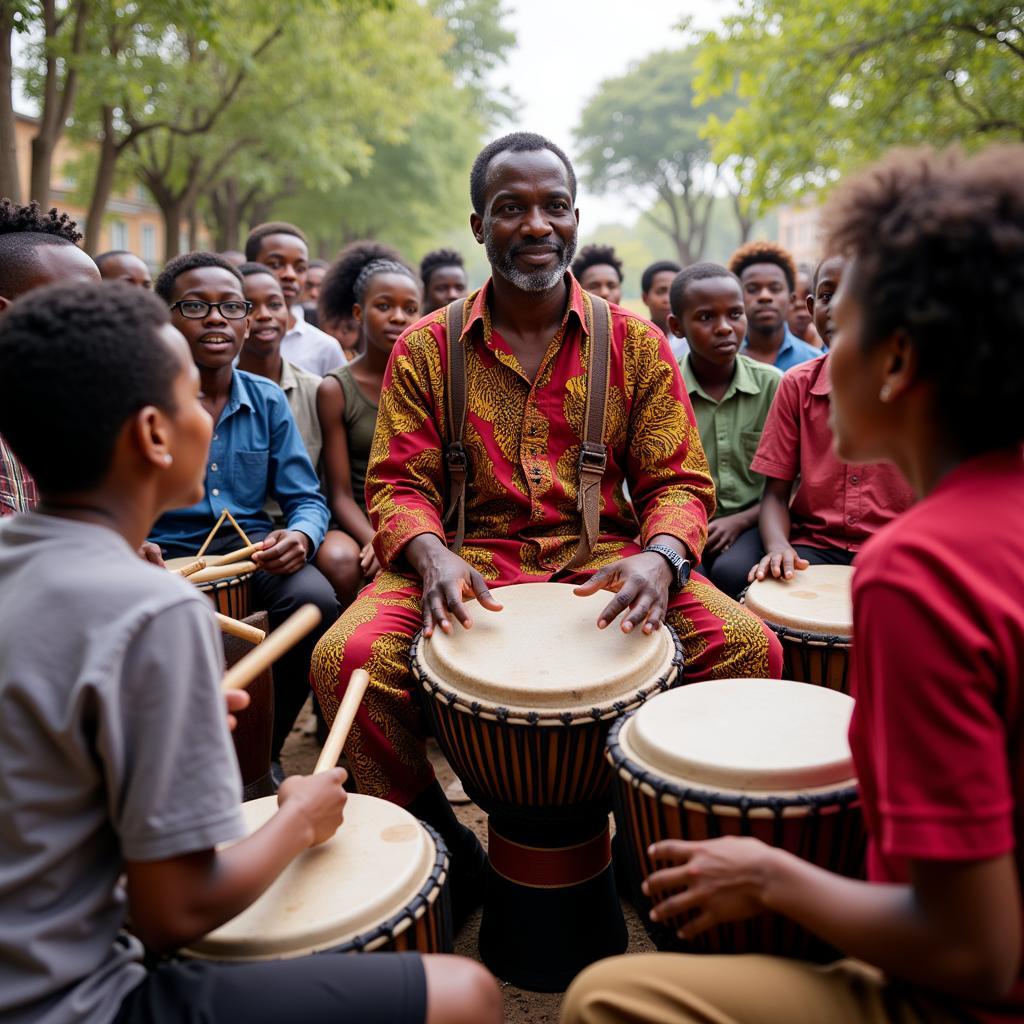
[380,883]
[521,705]
[231,594]
[812,615]
[742,757]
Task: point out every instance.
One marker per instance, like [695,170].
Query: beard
[539,280]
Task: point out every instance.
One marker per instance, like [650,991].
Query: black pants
[280,596]
[342,988]
[728,571]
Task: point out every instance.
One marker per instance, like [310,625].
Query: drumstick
[234,556]
[221,572]
[211,535]
[240,629]
[241,532]
[346,715]
[191,568]
[282,639]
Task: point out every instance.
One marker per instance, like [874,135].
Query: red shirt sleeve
[928,737]
[778,453]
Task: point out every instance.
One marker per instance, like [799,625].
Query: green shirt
[731,429]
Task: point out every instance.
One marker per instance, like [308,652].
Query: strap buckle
[456,457]
[593,458]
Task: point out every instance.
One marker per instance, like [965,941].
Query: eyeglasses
[196,309]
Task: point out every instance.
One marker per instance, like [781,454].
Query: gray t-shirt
[113,747]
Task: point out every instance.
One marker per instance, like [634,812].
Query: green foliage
[830,85]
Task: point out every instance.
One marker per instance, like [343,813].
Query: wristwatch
[680,566]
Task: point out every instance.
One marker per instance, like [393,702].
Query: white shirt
[679,346]
[310,348]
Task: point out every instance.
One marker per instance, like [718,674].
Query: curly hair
[68,381]
[436,260]
[173,269]
[764,252]
[937,248]
[24,230]
[15,219]
[254,242]
[340,288]
[596,256]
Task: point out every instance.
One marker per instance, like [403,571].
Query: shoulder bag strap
[593,451]
[456,460]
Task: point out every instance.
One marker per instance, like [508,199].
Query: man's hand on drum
[448,582]
[319,799]
[717,880]
[640,583]
[780,561]
[283,552]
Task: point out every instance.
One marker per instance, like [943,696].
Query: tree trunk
[193,226]
[171,212]
[9,183]
[103,183]
[227,214]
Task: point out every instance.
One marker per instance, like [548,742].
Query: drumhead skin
[752,736]
[544,651]
[372,867]
[246,569]
[816,600]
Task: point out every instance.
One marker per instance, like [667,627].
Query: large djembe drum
[521,705]
[747,757]
[229,587]
[380,883]
[812,615]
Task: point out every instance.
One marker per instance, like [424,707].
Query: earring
[168,458]
[886,393]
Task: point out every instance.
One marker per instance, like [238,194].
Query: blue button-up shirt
[256,452]
[792,353]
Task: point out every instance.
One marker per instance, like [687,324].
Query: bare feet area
[521,1007]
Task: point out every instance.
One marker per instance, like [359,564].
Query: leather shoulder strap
[456,461]
[593,451]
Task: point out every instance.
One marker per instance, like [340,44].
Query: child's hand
[236,700]
[780,562]
[284,552]
[319,798]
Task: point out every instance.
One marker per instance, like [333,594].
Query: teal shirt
[731,429]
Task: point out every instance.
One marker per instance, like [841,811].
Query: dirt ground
[521,1007]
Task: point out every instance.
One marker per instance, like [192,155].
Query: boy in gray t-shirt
[115,757]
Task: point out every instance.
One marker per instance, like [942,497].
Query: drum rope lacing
[615,709]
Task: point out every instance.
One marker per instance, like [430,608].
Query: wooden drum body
[521,705]
[812,615]
[231,595]
[380,883]
[751,757]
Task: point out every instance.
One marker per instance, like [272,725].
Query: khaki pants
[672,988]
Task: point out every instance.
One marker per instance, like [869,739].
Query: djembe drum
[229,587]
[750,757]
[521,705]
[379,883]
[812,615]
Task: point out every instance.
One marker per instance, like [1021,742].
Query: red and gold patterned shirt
[523,439]
[18,491]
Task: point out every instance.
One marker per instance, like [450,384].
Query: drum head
[371,869]
[744,735]
[815,600]
[221,574]
[544,651]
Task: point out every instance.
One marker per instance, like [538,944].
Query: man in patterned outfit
[526,353]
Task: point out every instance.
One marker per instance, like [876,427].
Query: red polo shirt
[938,669]
[836,505]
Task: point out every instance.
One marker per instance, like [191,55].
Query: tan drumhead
[815,600]
[745,735]
[544,650]
[374,865]
[202,578]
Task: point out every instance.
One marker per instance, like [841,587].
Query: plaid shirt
[18,491]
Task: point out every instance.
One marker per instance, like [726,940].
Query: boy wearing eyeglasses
[256,453]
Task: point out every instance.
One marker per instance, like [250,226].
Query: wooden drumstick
[240,629]
[211,535]
[234,556]
[221,572]
[191,568]
[241,532]
[346,715]
[282,639]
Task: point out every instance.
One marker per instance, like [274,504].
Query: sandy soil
[521,1007]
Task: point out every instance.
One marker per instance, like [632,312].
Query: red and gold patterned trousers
[386,747]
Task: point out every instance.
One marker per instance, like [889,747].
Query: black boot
[469,862]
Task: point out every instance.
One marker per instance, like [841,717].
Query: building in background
[800,230]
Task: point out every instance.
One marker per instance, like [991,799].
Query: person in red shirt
[937,271]
[835,507]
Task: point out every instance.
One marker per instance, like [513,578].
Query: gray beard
[539,280]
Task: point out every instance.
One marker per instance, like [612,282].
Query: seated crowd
[764,418]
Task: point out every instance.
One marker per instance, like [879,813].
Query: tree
[12,19]
[641,134]
[830,85]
